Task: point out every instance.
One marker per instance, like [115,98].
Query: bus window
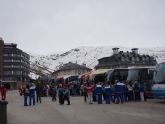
[133,74]
[123,74]
[144,74]
[159,74]
[151,74]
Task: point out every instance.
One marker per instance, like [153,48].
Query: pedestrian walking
[3,91]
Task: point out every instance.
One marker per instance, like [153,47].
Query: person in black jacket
[61,94]
[66,95]
[39,92]
[136,90]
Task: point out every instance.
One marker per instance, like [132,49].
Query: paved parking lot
[151,112]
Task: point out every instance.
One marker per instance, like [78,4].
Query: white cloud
[49,26]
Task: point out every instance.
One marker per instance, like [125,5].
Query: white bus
[158,88]
[142,74]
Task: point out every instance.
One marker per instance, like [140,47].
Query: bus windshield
[109,75]
[159,75]
[133,74]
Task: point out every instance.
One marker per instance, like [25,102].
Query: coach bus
[142,74]
[117,74]
[67,79]
[158,88]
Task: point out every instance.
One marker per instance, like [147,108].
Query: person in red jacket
[89,91]
[3,92]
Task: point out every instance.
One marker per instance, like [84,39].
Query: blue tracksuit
[108,92]
[32,90]
[99,92]
[119,90]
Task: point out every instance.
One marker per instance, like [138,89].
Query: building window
[17,72]
[7,60]
[7,72]
[7,66]
[16,60]
[16,66]
[6,54]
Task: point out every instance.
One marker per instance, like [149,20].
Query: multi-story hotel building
[14,63]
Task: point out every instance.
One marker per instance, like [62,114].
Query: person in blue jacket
[99,92]
[119,90]
[108,92]
[32,91]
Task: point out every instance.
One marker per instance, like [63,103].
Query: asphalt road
[48,112]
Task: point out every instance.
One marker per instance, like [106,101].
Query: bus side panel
[158,91]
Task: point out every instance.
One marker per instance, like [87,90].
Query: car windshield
[159,75]
[133,74]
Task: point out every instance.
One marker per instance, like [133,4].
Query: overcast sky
[47,26]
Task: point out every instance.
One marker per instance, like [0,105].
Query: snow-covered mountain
[85,55]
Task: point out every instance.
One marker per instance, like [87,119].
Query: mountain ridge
[85,55]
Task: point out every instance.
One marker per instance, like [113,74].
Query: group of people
[33,92]
[118,93]
[29,93]
[3,91]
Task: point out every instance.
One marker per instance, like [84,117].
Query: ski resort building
[121,59]
[71,69]
[14,64]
